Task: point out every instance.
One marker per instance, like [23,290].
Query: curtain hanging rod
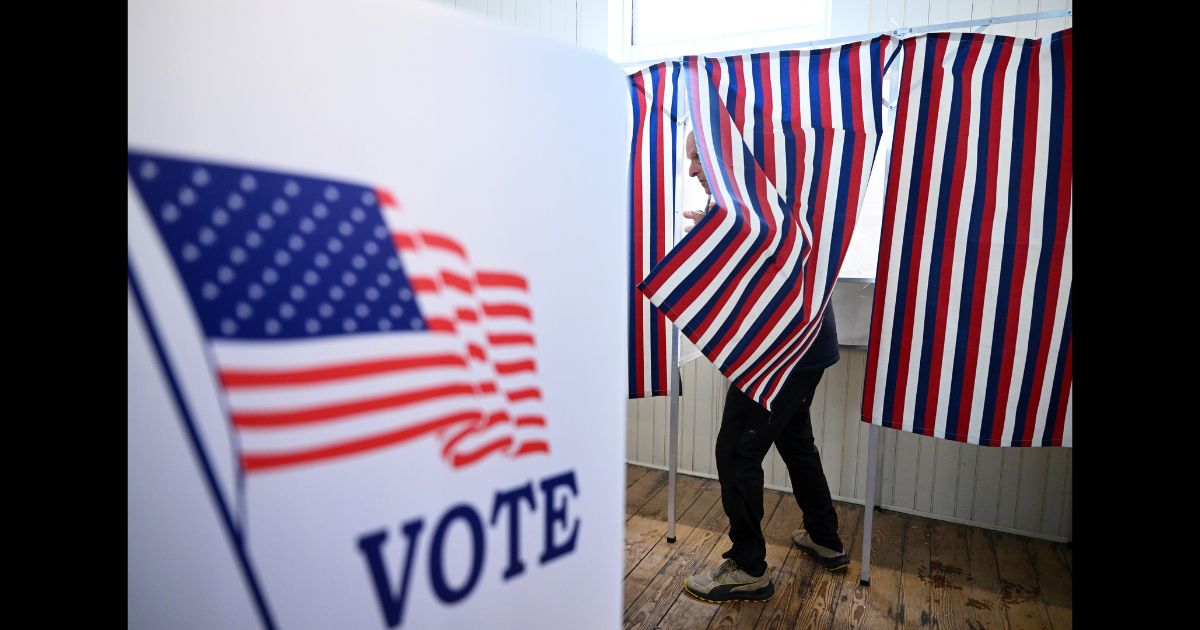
[902,31]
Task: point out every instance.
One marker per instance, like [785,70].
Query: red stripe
[477,352]
[768,118]
[260,462]
[466,315]
[422,284]
[532,446]
[235,379]
[440,324]
[404,241]
[508,310]
[516,367]
[985,233]
[488,387]
[460,282]
[531,421]
[883,274]
[261,419]
[445,243]
[507,340]
[963,146]
[529,393]
[460,459]
[385,198]
[494,279]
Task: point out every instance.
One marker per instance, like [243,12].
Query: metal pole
[864,575]
[673,446]
[902,31]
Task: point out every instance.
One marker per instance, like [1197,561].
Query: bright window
[667,28]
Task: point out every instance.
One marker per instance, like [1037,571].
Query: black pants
[747,432]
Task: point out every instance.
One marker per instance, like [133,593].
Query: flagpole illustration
[235,534]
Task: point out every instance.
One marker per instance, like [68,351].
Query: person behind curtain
[747,432]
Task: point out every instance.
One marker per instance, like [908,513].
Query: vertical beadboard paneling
[662,426]
[852,425]
[1065,527]
[631,431]
[833,419]
[1032,488]
[981,9]
[905,474]
[1027,29]
[1056,487]
[702,395]
[916,13]
[1001,8]
[926,462]
[1010,481]
[887,488]
[987,485]
[964,483]
[945,476]
[645,429]
[687,419]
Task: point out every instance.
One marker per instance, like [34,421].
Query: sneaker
[727,582]
[830,559]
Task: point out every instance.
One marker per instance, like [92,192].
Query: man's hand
[695,216]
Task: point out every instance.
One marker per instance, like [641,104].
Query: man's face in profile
[694,168]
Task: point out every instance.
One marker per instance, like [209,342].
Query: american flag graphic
[334,328]
[654,149]
[971,328]
[786,140]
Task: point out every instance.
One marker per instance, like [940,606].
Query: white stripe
[958,260]
[324,434]
[995,257]
[337,350]
[1056,341]
[776,127]
[1027,318]
[934,179]
[751,100]
[647,324]
[896,239]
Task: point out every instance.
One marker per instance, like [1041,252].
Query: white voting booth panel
[475,129]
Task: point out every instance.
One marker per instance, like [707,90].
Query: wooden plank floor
[925,573]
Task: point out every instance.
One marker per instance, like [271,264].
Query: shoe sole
[832,564]
[752,596]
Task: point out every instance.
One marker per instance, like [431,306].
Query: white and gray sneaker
[830,559]
[727,582]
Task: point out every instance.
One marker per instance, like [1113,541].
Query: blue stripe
[990,413]
[787,65]
[1059,365]
[966,299]
[635,245]
[943,239]
[876,88]
[653,359]
[892,416]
